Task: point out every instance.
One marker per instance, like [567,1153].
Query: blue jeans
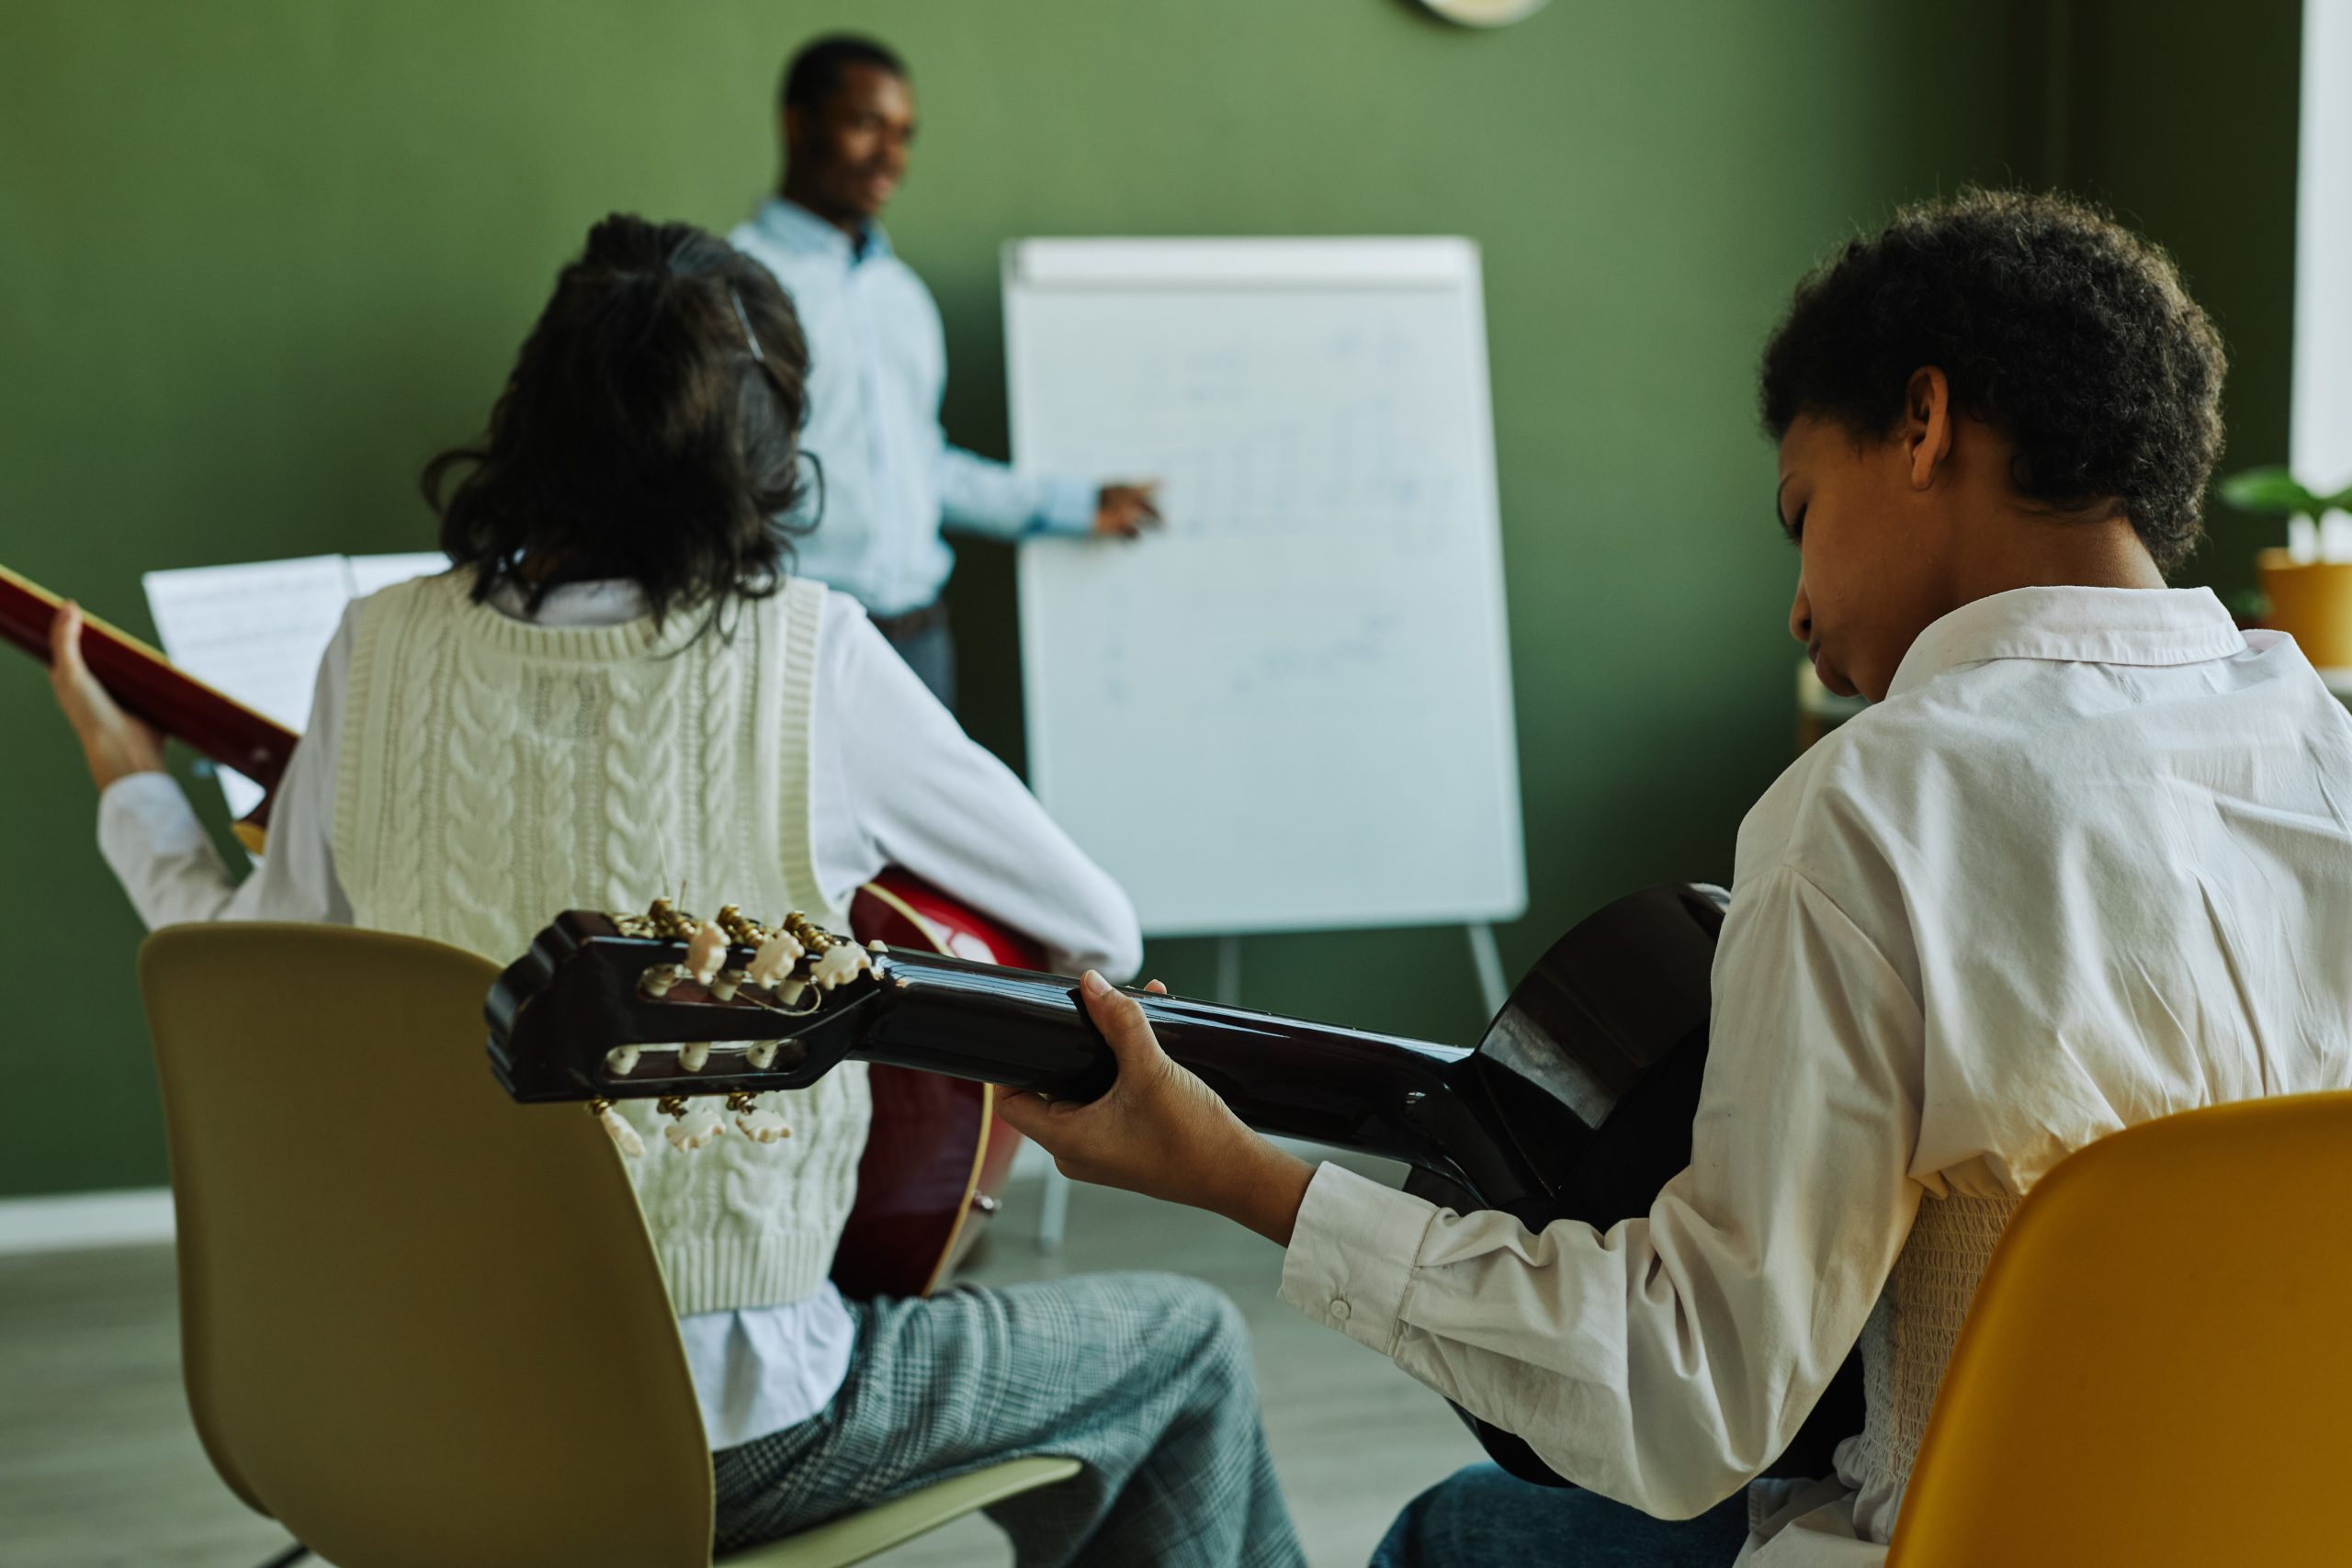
[1481,1518]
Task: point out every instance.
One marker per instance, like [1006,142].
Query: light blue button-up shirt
[878,368]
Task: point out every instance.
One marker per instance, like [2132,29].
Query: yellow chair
[2156,1369]
[421,1324]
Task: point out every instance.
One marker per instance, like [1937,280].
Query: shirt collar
[601,602]
[2074,625]
[796,228]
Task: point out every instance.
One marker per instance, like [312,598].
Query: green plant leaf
[2275,490]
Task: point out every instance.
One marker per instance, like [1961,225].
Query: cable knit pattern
[642,811]
[493,773]
[476,784]
[1908,1341]
[720,821]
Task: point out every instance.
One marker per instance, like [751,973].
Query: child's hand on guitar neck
[113,743]
[1160,1131]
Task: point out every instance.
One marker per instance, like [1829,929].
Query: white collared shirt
[2090,863]
[877,367]
[895,781]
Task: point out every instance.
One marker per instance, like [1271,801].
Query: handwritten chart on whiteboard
[1291,708]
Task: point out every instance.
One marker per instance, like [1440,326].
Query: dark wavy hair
[650,431]
[2054,324]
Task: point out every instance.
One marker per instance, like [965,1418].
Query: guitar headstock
[669,1006]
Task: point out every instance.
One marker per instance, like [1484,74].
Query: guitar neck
[596,1012]
[1374,1094]
[149,686]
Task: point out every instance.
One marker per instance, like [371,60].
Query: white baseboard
[138,1217]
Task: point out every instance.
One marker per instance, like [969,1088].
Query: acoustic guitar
[1576,1104]
[936,1157]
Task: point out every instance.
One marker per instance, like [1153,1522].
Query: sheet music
[371,572]
[257,630]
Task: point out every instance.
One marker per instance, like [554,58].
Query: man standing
[879,365]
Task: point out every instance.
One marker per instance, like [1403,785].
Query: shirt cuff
[1067,505]
[142,817]
[1352,1254]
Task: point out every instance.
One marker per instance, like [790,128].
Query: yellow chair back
[421,1324]
[2156,1369]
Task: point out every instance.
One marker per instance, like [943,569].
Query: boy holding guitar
[619,688]
[2086,862]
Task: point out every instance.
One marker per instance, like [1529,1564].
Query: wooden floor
[98,1465]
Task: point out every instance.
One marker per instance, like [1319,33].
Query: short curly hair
[2054,324]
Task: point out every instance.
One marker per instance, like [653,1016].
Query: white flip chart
[1290,708]
[257,630]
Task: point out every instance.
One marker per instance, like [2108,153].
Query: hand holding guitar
[114,743]
[1161,1132]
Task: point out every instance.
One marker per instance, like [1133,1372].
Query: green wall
[2182,117]
[257,260]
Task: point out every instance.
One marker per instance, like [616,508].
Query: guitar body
[936,1155]
[1605,1046]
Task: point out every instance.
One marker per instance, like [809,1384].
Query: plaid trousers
[1144,1379]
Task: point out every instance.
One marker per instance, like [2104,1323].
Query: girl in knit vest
[616,689]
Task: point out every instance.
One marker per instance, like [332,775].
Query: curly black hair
[650,431]
[2054,324]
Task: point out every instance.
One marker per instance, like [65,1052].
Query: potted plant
[2309,582]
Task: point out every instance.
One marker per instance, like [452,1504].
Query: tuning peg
[725,984]
[690,1129]
[623,1135]
[761,1054]
[620,1061]
[695,1055]
[657,981]
[773,962]
[838,962]
[706,951]
[759,1125]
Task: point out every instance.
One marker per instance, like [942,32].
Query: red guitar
[936,1157]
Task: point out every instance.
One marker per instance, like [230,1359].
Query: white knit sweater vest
[495,774]
[1908,1341]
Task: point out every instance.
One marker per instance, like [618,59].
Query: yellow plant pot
[2310,601]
